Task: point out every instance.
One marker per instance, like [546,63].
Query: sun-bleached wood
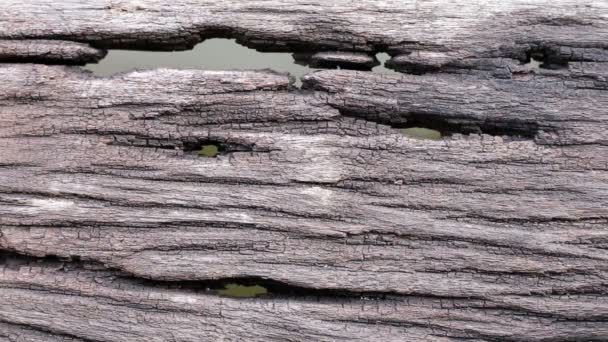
[48,51]
[100,169]
[112,226]
[450,33]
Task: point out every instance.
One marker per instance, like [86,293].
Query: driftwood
[113,228]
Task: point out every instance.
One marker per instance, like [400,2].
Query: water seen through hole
[212,54]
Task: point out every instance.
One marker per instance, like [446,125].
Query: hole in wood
[545,59]
[213,54]
[200,148]
[250,287]
[534,64]
[240,287]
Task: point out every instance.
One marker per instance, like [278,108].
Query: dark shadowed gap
[253,287]
[434,127]
[239,287]
[211,149]
[212,54]
[201,148]
[546,59]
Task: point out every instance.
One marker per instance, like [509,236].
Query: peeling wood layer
[112,225]
[48,51]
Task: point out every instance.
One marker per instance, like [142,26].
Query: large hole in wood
[212,54]
[15,261]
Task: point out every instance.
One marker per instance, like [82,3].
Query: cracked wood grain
[48,51]
[456,35]
[81,302]
[112,227]
[99,169]
[543,107]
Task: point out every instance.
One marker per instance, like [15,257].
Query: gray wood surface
[113,228]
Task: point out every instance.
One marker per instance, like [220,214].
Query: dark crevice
[272,288]
[451,126]
[259,287]
[212,148]
[44,330]
[197,147]
[448,126]
[15,260]
[52,60]
[547,57]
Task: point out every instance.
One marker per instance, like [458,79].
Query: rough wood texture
[48,51]
[548,108]
[112,227]
[96,168]
[467,31]
[334,59]
[48,301]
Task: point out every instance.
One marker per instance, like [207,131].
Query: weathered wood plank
[547,108]
[468,31]
[112,227]
[48,51]
[100,169]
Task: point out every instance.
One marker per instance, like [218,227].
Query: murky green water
[212,54]
[208,151]
[421,133]
[243,291]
